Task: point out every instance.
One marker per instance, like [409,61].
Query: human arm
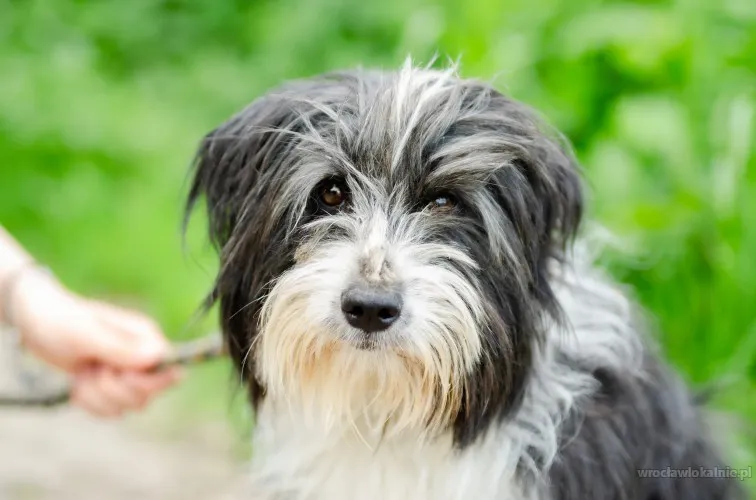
[106,349]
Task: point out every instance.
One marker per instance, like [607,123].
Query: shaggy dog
[402,291]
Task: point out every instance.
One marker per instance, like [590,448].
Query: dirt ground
[64,454]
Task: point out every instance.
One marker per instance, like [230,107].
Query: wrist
[17,289]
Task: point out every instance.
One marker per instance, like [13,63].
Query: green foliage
[102,104]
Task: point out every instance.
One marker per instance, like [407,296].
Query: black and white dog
[402,290]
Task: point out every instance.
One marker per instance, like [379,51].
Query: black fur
[632,429]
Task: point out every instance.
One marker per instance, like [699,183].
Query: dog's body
[400,290]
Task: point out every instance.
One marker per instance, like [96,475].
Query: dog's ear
[235,169]
[540,191]
[556,196]
[543,193]
[230,159]
[555,179]
[241,169]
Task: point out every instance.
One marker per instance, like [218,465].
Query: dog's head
[385,240]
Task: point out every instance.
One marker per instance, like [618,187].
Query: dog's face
[385,241]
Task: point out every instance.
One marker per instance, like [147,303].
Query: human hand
[107,350]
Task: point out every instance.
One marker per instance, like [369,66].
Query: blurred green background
[102,104]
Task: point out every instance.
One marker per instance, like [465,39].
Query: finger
[113,388]
[141,332]
[88,397]
[123,340]
[150,384]
[107,346]
[139,326]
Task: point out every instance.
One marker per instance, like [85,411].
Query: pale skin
[107,350]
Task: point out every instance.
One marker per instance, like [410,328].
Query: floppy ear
[554,177]
[540,195]
[543,193]
[240,169]
[233,171]
[556,181]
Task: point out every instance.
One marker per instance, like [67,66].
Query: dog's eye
[332,194]
[443,202]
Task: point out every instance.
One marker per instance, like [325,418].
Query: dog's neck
[355,458]
[349,462]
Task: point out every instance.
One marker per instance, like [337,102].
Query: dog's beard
[410,376]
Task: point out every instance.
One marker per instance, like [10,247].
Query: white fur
[305,450]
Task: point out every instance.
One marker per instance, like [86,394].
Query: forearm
[12,258]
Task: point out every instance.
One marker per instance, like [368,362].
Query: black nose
[370,309]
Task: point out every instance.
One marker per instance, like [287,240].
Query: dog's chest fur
[293,464]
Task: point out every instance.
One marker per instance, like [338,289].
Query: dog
[405,290]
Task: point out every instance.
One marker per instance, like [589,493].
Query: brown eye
[443,202]
[332,194]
